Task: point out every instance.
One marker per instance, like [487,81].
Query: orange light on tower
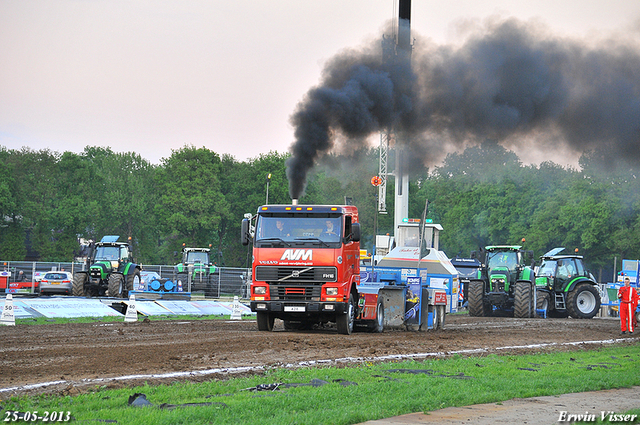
[376,180]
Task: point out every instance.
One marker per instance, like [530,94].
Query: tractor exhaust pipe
[294,201]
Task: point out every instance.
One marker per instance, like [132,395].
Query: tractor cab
[196,256]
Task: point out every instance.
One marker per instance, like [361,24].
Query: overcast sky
[152,76]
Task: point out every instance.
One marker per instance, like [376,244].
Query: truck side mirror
[355,232]
[244,232]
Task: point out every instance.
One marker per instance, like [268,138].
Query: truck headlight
[332,291]
[260,290]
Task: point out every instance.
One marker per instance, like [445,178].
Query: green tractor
[196,272]
[504,282]
[110,270]
[565,288]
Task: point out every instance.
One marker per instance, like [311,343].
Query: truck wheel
[265,321]
[345,320]
[477,306]
[443,315]
[378,323]
[133,282]
[583,302]
[436,318]
[543,299]
[115,285]
[523,300]
[77,287]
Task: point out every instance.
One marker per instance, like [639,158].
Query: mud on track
[78,354]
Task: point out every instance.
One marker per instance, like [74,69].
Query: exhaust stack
[294,201]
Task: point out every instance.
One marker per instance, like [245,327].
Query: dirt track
[80,354]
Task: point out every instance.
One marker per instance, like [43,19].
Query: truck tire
[443,315]
[543,300]
[378,323]
[133,282]
[477,306]
[115,285]
[523,300]
[436,318]
[345,321]
[77,287]
[583,302]
[265,321]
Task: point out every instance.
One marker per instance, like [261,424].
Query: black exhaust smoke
[511,82]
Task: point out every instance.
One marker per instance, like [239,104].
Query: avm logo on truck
[297,254]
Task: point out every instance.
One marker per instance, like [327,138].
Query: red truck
[306,268]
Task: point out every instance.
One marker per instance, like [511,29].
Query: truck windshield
[320,229]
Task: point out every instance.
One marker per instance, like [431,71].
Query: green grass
[376,390]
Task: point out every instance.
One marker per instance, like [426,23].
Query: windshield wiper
[274,239]
[313,239]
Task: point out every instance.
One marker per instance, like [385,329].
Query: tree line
[482,196]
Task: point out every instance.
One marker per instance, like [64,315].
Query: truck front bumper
[302,308]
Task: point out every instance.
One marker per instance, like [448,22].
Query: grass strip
[353,394]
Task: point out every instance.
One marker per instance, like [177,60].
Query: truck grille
[295,293]
[296,274]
